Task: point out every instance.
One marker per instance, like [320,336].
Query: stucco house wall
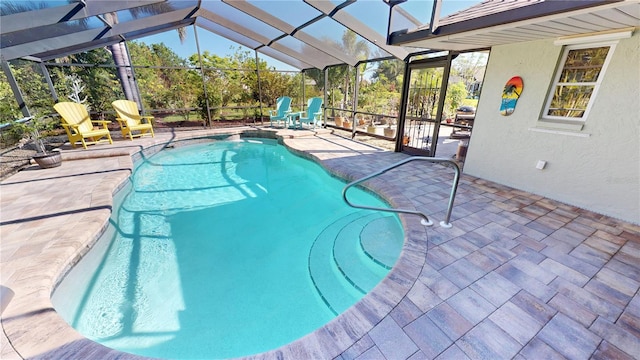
[598,172]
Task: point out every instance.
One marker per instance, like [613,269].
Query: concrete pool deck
[518,276]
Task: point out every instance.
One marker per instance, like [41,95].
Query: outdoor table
[293,116]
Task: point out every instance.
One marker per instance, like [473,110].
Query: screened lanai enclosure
[215,63]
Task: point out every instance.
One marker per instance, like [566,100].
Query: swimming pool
[227,249]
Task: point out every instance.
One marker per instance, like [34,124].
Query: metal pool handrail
[425,220]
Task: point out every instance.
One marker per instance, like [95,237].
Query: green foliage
[470,102]
[213,96]
[101,86]
[375,98]
[173,86]
[456,93]
[165,84]
[354,47]
[37,98]
[276,84]
[9,109]
[34,87]
[470,67]
[10,135]
[28,131]
[317,77]
[424,90]
[389,73]
[227,77]
[341,78]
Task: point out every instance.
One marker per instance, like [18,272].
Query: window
[577,81]
[580,71]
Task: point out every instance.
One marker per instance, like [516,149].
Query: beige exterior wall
[600,172]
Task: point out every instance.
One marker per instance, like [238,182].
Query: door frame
[443,62]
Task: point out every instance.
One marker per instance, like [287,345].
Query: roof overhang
[540,20]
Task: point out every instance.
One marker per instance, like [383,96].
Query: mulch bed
[14,158]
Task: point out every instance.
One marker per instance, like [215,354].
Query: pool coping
[33,284]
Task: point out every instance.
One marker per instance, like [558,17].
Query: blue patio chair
[313,113]
[281,113]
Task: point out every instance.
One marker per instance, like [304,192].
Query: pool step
[356,267]
[336,293]
[349,258]
[382,239]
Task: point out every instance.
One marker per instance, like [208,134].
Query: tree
[33,86]
[275,84]
[9,109]
[167,83]
[342,77]
[470,67]
[317,76]
[119,50]
[455,94]
[101,82]
[390,72]
[356,48]
[35,93]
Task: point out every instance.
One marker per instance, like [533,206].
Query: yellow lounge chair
[130,119]
[75,120]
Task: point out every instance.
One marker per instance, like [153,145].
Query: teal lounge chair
[283,105]
[313,113]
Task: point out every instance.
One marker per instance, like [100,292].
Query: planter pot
[371,129]
[361,122]
[389,132]
[339,121]
[346,124]
[48,160]
[461,153]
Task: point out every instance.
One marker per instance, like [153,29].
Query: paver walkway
[518,276]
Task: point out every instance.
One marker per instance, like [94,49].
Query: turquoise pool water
[218,250]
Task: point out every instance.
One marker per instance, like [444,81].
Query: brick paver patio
[518,276]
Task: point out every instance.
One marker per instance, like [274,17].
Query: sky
[371,12]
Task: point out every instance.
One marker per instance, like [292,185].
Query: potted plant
[339,120]
[31,131]
[371,128]
[406,139]
[390,131]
